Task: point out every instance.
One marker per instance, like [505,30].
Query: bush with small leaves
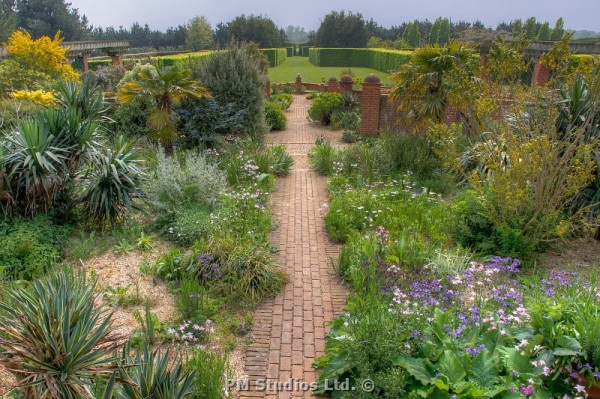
[274,115]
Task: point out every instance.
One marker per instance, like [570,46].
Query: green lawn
[287,72]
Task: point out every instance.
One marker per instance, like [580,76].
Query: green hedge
[180,61]
[276,56]
[94,65]
[380,59]
[289,51]
[305,51]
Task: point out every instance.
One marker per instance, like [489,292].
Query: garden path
[289,330]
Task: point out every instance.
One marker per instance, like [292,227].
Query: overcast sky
[160,14]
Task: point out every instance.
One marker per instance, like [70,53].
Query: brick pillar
[298,84]
[333,86]
[541,75]
[84,61]
[346,84]
[369,105]
[117,59]
[268,89]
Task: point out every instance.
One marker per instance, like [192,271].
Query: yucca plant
[36,163]
[79,137]
[149,376]
[84,98]
[112,183]
[54,338]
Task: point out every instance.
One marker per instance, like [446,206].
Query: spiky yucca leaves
[54,339]
[84,98]
[112,183]
[36,163]
[149,375]
[166,86]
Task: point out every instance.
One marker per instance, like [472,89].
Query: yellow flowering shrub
[39,97]
[44,55]
[527,180]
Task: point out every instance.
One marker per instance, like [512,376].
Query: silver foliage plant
[188,177]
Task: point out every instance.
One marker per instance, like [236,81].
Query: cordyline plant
[53,338]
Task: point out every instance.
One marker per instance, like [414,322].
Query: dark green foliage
[30,247]
[324,106]
[382,60]
[8,19]
[341,29]
[475,230]
[56,341]
[275,117]
[255,28]
[237,77]
[131,120]
[203,121]
[276,56]
[46,17]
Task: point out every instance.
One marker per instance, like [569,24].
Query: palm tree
[421,85]
[165,86]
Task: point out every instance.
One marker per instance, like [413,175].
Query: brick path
[289,330]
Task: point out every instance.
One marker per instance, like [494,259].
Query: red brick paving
[289,330]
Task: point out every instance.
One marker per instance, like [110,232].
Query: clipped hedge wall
[180,61]
[380,59]
[94,65]
[289,51]
[276,56]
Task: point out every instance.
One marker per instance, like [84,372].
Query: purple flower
[526,390]
[475,350]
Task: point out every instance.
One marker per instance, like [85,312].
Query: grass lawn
[287,72]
